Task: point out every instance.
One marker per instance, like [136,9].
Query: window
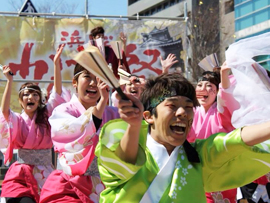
[159,8]
[229,6]
[166,5]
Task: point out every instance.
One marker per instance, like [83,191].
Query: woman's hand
[6,72]
[168,62]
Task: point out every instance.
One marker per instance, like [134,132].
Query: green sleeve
[113,170]
[227,162]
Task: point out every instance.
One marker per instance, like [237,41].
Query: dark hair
[78,68]
[96,31]
[211,76]
[42,112]
[182,87]
[166,82]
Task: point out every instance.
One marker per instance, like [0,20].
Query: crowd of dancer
[169,142]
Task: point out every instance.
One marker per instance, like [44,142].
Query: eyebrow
[176,99]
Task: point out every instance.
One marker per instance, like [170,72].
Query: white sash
[162,180]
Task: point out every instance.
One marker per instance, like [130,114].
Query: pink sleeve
[226,105]
[74,136]
[55,99]
[8,134]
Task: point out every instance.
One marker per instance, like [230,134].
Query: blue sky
[95,7]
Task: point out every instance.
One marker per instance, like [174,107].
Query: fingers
[131,108]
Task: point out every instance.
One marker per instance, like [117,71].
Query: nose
[181,112]
[93,82]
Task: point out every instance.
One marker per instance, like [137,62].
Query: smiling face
[172,121]
[30,99]
[86,86]
[134,87]
[206,93]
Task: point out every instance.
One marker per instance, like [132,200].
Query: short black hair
[156,86]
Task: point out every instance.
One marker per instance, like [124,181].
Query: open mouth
[30,104]
[91,91]
[202,96]
[178,128]
[134,91]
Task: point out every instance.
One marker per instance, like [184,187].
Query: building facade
[252,17]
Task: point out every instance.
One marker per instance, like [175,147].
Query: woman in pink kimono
[29,132]
[213,116]
[75,127]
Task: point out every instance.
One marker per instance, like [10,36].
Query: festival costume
[158,177]
[216,119]
[75,136]
[114,61]
[27,175]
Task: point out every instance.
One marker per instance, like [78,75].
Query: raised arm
[123,38]
[256,134]
[57,70]
[5,103]
[98,110]
[129,144]
[224,76]
[168,62]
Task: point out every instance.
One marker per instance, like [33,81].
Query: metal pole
[89,16]
[36,81]
[86,9]
[186,39]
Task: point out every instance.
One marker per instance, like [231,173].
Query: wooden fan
[124,76]
[116,46]
[93,61]
[209,62]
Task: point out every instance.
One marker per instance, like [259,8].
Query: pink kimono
[216,119]
[27,175]
[75,137]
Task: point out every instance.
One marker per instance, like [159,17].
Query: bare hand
[6,72]
[123,67]
[123,37]
[168,62]
[131,110]
[103,89]
[56,59]
[224,69]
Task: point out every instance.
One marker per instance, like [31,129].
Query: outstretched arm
[5,103]
[57,70]
[168,62]
[129,144]
[255,134]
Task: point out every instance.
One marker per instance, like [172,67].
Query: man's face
[173,121]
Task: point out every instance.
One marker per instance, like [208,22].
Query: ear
[20,102]
[74,83]
[148,117]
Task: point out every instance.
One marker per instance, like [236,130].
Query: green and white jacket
[226,162]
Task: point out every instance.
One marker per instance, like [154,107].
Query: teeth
[179,124]
[94,91]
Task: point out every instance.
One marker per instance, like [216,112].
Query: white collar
[158,151]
